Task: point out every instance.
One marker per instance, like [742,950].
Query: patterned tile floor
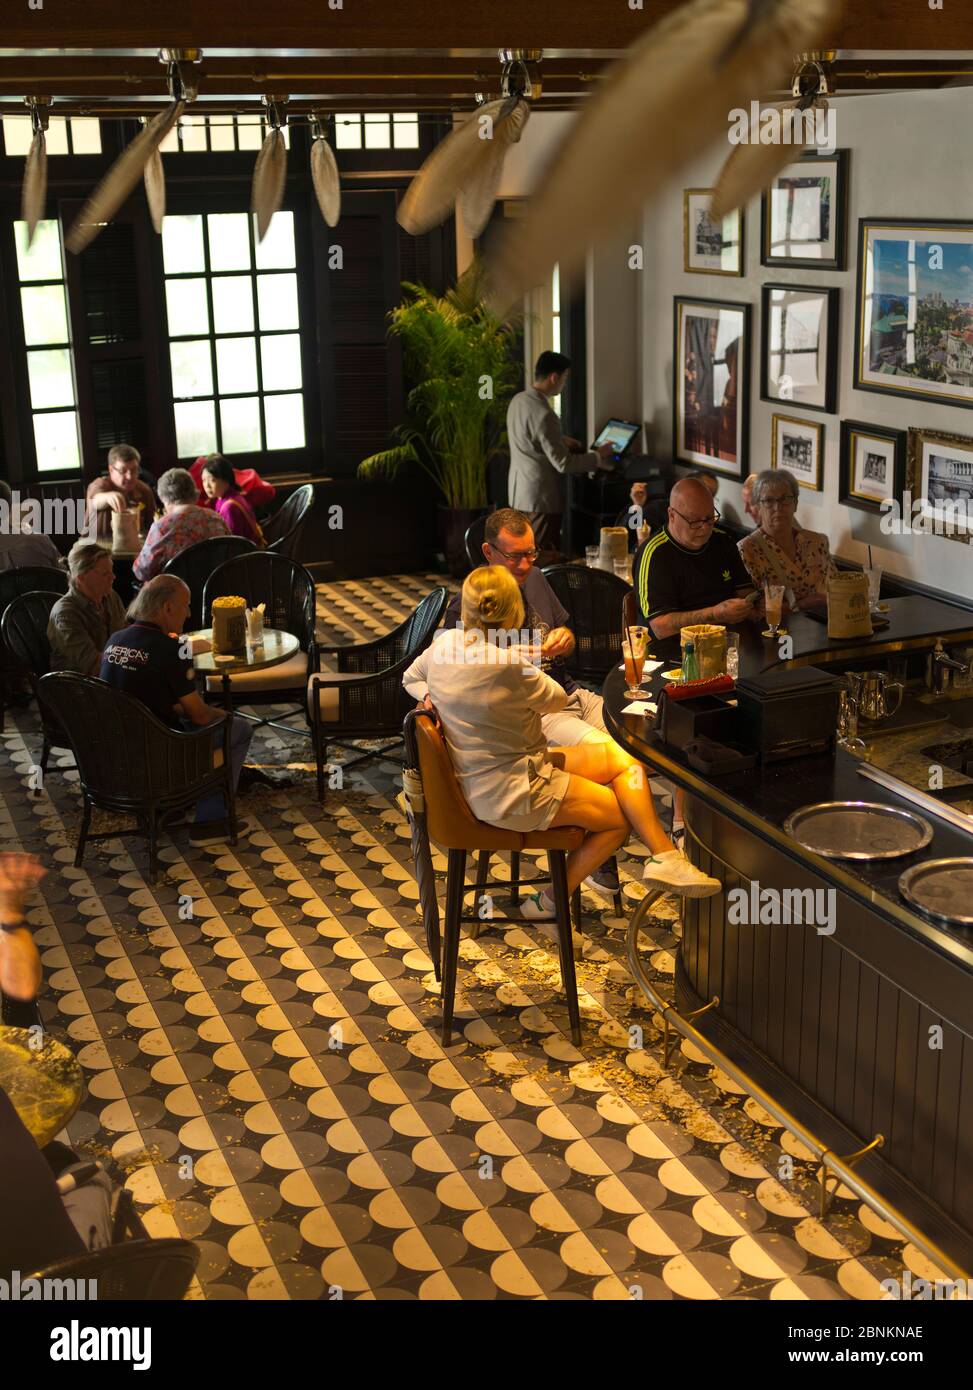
[259,1035]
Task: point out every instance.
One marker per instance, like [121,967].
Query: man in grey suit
[539,452]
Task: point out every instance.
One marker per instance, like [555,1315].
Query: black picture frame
[851,432]
[840,158]
[832,297]
[879,383]
[696,458]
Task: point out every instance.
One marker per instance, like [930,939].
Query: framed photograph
[872,465]
[940,483]
[799,358]
[710,247]
[711,386]
[803,214]
[914,315]
[798,446]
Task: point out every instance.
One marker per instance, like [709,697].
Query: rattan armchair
[24,630]
[130,762]
[365,698]
[283,530]
[26,580]
[196,563]
[287,592]
[593,599]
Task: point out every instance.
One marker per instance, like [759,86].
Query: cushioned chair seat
[328,700]
[286,676]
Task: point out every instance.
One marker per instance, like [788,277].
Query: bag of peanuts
[848,606]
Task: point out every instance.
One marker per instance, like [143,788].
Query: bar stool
[439,812]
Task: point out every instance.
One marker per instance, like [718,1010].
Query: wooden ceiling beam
[304,25]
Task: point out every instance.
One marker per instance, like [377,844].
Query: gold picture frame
[731,236]
[956,474]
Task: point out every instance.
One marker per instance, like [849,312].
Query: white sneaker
[673,872]
[534,906]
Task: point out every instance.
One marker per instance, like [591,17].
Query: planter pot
[453,525]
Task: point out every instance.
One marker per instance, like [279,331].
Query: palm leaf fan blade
[665,102]
[33,199]
[121,178]
[749,170]
[155,189]
[454,162]
[326,180]
[269,174]
[479,194]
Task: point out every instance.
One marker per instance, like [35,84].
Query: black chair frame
[27,579]
[24,631]
[282,531]
[378,673]
[255,576]
[593,599]
[194,566]
[175,771]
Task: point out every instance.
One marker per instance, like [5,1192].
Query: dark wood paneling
[310,24]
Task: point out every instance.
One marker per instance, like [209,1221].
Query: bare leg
[595,808]
[602,761]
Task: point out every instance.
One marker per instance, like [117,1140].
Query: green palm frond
[460,358]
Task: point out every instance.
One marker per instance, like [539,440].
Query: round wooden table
[276,647]
[42,1079]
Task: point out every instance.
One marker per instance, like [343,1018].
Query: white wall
[908,157]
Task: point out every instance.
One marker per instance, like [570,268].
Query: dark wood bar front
[860,1026]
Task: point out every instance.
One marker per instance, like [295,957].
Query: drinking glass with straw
[633,654]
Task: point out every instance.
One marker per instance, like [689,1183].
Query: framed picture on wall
[914,312]
[872,465]
[798,446]
[939,479]
[799,357]
[711,386]
[804,213]
[710,246]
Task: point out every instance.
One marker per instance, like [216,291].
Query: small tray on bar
[941,889]
[863,830]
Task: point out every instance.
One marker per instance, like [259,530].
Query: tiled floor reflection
[260,1039]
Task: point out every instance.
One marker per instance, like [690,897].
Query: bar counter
[836,1027]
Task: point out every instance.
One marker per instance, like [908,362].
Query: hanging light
[270,170]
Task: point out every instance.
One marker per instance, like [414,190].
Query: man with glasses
[690,572]
[120,489]
[509,541]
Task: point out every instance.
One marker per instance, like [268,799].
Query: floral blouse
[807,575]
[173,533]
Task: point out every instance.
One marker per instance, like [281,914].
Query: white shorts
[582,720]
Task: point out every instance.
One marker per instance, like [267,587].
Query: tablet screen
[618,433]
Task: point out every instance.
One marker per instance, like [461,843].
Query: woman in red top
[220,486]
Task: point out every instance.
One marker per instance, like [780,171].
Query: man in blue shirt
[148,660]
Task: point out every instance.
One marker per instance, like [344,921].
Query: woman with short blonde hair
[781,551]
[489,696]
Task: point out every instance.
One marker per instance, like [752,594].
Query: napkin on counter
[647,669]
[645,707]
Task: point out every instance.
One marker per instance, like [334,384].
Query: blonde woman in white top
[487,691]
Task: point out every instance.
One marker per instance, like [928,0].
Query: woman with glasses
[782,552]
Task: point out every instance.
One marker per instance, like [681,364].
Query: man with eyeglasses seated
[509,541]
[690,572]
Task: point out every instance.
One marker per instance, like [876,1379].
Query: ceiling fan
[664,102]
[466,166]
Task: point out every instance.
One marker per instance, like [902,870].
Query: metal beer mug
[876,688]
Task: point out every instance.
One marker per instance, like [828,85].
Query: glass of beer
[633,654]
[774,607]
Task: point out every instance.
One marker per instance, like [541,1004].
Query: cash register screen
[619,434]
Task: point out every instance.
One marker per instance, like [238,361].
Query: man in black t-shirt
[148,661]
[690,572]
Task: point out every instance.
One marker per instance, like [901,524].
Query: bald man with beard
[690,572]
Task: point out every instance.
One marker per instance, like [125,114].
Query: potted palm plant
[463,362]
